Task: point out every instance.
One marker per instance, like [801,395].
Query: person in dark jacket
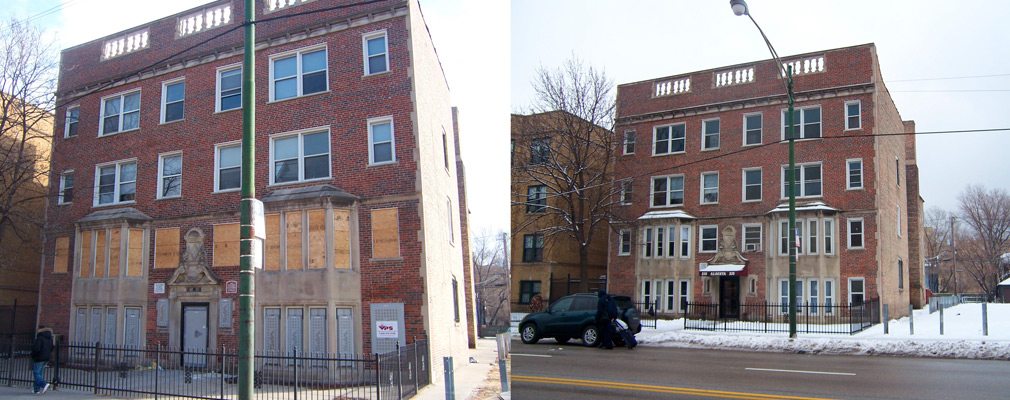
[42,349]
[606,312]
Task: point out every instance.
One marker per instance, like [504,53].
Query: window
[448,214]
[799,237]
[668,191]
[228,167]
[852,113]
[66,194]
[856,291]
[300,157]
[536,198]
[660,241]
[528,289]
[533,248]
[385,234]
[229,88]
[709,188]
[117,183]
[625,243]
[784,295]
[898,219]
[752,129]
[751,237]
[685,241]
[668,139]
[629,142]
[709,239]
[647,242]
[752,184]
[445,150]
[381,146]
[854,177]
[897,172]
[173,99]
[70,125]
[784,238]
[813,239]
[808,180]
[627,190]
[710,134]
[901,274]
[120,113]
[647,294]
[706,285]
[829,296]
[856,233]
[671,295]
[671,241]
[376,50]
[753,288]
[540,151]
[455,299]
[170,175]
[813,295]
[829,236]
[684,294]
[657,297]
[806,123]
[298,73]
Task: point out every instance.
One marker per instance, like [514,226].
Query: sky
[473,51]
[642,40]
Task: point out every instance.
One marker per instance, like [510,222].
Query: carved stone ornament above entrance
[729,251]
[193,270]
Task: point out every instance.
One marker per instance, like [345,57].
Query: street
[548,370]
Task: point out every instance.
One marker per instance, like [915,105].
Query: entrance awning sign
[722,269]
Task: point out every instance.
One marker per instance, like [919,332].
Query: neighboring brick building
[356,164]
[709,202]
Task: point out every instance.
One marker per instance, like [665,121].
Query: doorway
[729,297]
[195,334]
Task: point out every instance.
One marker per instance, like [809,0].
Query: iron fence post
[399,372]
[157,366]
[417,374]
[56,363]
[378,387]
[294,362]
[94,371]
[221,367]
[766,316]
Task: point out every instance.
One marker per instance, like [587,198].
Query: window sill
[668,154]
[625,204]
[852,129]
[386,72]
[100,135]
[327,91]
[708,204]
[228,110]
[227,191]
[65,204]
[628,154]
[751,201]
[385,259]
[169,198]
[751,144]
[171,122]
[853,189]
[707,150]
[623,255]
[114,204]
[664,207]
[382,164]
[301,181]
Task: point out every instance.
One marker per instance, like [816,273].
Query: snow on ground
[962,336]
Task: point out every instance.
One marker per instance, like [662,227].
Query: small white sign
[159,288]
[386,330]
[231,287]
[256,247]
[259,225]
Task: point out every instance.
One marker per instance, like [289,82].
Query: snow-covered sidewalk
[962,336]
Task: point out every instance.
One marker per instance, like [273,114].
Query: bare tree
[570,149]
[27,94]
[987,214]
[493,283]
[938,247]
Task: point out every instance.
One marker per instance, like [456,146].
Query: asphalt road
[551,371]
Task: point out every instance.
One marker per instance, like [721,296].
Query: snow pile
[962,336]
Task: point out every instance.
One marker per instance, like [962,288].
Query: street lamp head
[739,7]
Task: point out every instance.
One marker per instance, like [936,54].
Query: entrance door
[194,335]
[729,297]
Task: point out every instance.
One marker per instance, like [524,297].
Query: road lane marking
[531,355]
[801,372]
[657,389]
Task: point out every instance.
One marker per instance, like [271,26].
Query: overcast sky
[643,40]
[472,48]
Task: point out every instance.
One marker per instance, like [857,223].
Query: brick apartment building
[706,192]
[356,163]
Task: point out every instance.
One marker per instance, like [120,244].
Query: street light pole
[247,272]
[740,8]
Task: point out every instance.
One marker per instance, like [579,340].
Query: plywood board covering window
[166,247]
[294,240]
[114,245]
[100,253]
[341,239]
[135,256]
[86,258]
[226,240]
[272,251]
[385,234]
[62,254]
[317,239]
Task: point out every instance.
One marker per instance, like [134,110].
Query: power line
[50,11]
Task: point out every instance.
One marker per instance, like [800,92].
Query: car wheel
[590,336]
[562,339]
[528,334]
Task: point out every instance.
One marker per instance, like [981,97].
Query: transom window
[668,139]
[752,129]
[376,51]
[710,134]
[300,157]
[298,74]
[381,146]
[806,123]
[808,180]
[73,116]
[668,191]
[854,176]
[120,113]
[117,183]
[709,238]
[709,188]
[229,88]
[173,99]
[228,160]
[536,198]
[170,175]
[752,184]
[66,187]
[852,115]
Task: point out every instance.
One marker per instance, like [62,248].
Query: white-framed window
[685,241]
[854,173]
[800,238]
[228,94]
[120,113]
[829,236]
[667,191]
[117,182]
[173,100]
[708,238]
[668,139]
[813,296]
[228,166]
[624,245]
[857,291]
[684,294]
[852,115]
[66,195]
[784,238]
[710,134]
[660,241]
[897,216]
[170,175]
[671,241]
[808,180]
[629,142]
[855,233]
[784,295]
[751,237]
[381,141]
[752,124]
[806,122]
[647,242]
[376,51]
[657,295]
[813,235]
[706,285]
[752,185]
[671,296]
[300,156]
[829,296]
[298,73]
[646,294]
[752,285]
[627,190]
[71,122]
[901,274]
[710,187]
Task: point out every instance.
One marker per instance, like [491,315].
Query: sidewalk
[25,393]
[467,378]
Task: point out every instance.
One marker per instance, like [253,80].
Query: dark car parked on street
[575,316]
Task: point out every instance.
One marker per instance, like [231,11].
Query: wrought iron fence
[648,313]
[771,317]
[159,371]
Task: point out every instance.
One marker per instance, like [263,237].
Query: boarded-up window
[272,329]
[317,332]
[86,258]
[62,254]
[100,262]
[294,240]
[385,234]
[272,250]
[114,244]
[341,239]
[226,248]
[317,239]
[293,332]
[135,256]
[166,248]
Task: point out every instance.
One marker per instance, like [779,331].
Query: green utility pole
[791,175]
[247,272]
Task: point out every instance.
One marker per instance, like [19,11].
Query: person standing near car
[606,312]
[42,349]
